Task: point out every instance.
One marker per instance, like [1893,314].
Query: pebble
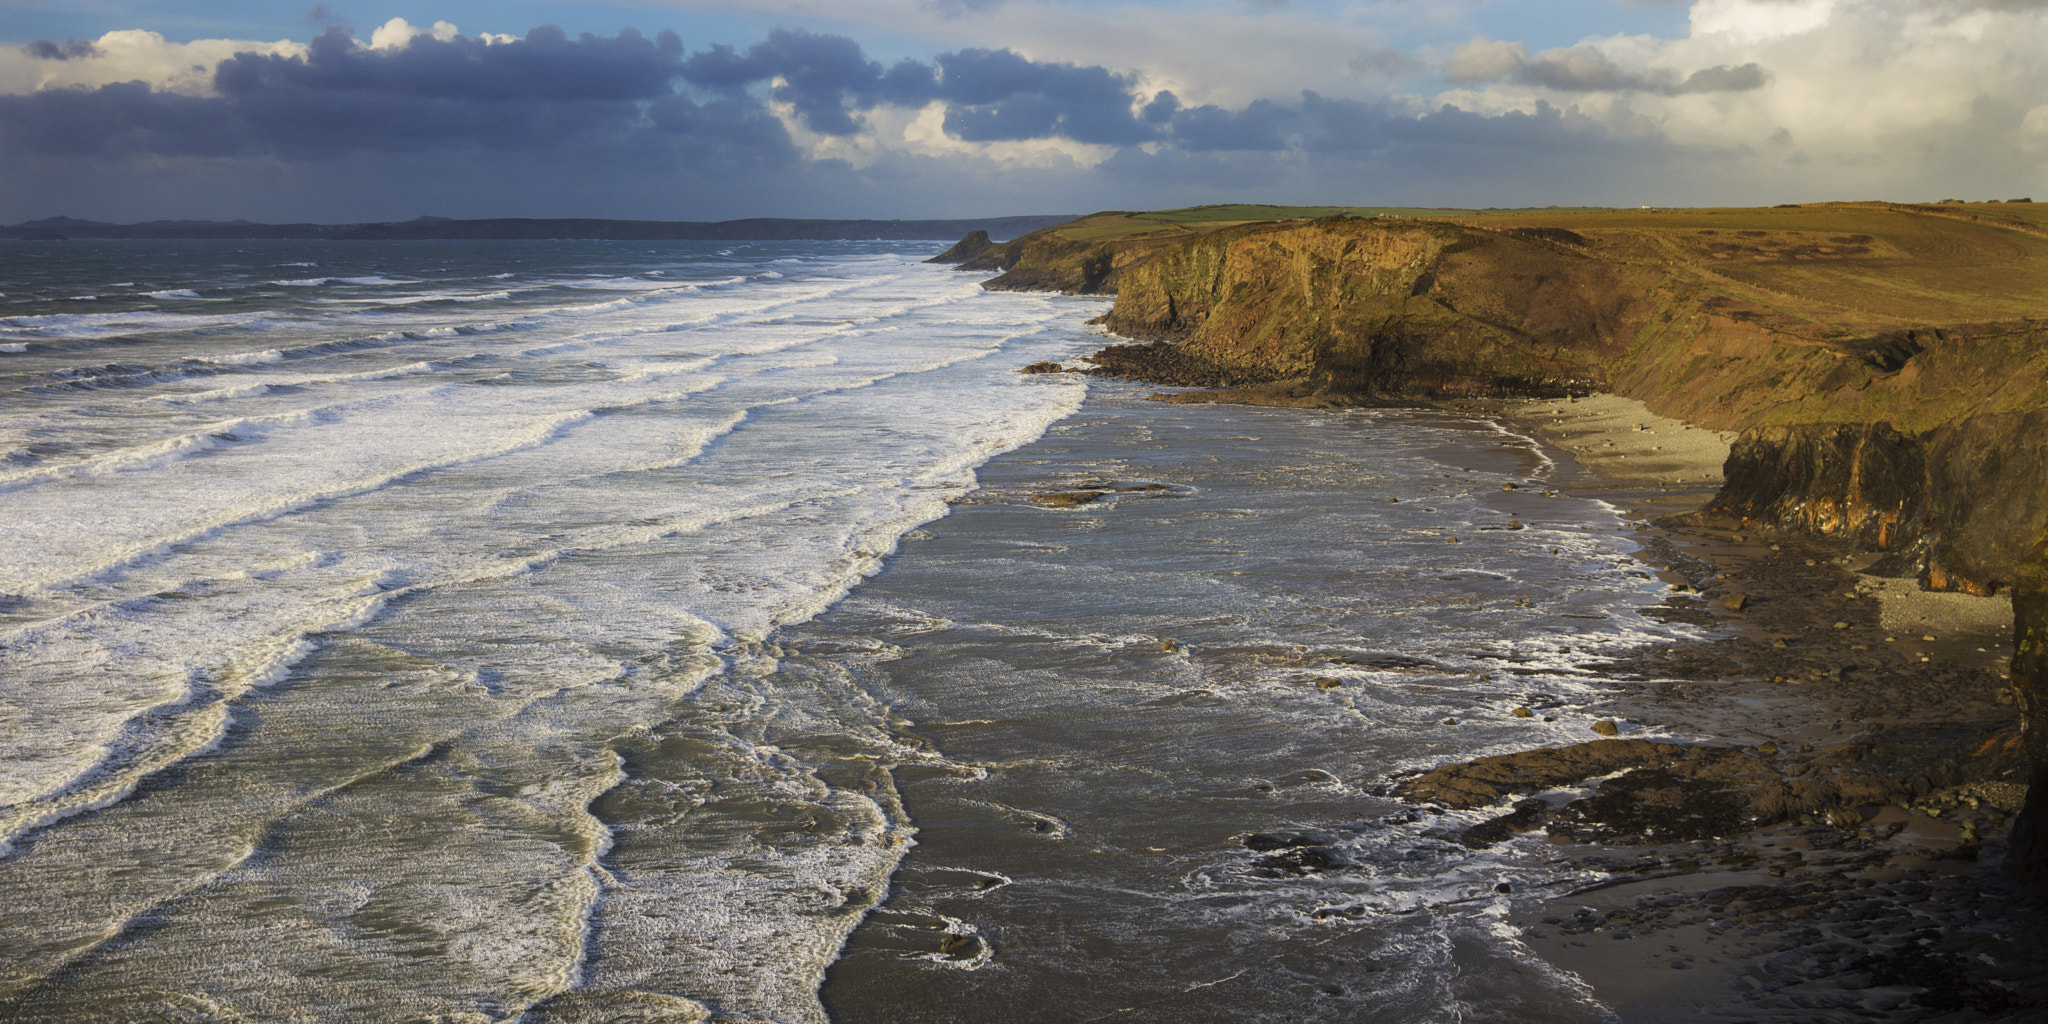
[1524,713]
[1841,625]
[1606,727]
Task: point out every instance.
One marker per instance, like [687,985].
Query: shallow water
[1123,692]
[408,631]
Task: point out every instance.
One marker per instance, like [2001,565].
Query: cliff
[1880,363]
[1885,366]
[2028,857]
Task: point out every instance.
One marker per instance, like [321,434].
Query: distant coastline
[517,228]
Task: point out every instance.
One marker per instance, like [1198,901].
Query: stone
[1735,602]
[1068,499]
[1523,713]
[1606,727]
[1043,366]
[1327,683]
[1508,487]
[2027,856]
[1267,842]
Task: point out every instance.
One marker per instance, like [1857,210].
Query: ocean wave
[269,355]
[515,550]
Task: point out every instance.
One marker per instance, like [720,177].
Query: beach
[1890,906]
[1089,841]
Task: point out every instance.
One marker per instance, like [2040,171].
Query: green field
[1193,220]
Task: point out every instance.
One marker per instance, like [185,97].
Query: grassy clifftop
[1886,364]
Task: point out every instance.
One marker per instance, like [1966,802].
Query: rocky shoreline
[1827,844]
[1846,512]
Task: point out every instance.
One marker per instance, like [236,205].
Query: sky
[358,110]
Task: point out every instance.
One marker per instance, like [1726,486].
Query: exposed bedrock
[1957,505]
[2027,857]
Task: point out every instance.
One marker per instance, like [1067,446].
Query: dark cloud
[546,67]
[1586,69]
[554,124]
[1211,128]
[600,96]
[992,95]
[999,95]
[1161,109]
[118,120]
[824,77]
[958,8]
[69,49]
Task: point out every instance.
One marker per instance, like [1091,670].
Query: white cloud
[397,32]
[920,132]
[1753,21]
[1483,60]
[1883,96]
[134,55]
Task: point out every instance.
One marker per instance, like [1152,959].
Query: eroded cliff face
[1386,309]
[1929,445]
[2027,858]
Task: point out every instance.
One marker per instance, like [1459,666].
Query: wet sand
[1888,906]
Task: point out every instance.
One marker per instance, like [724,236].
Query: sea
[682,631]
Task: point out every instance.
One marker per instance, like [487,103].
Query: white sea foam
[432,537]
[269,355]
[175,293]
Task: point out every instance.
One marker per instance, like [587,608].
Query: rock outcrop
[969,248]
[2027,858]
